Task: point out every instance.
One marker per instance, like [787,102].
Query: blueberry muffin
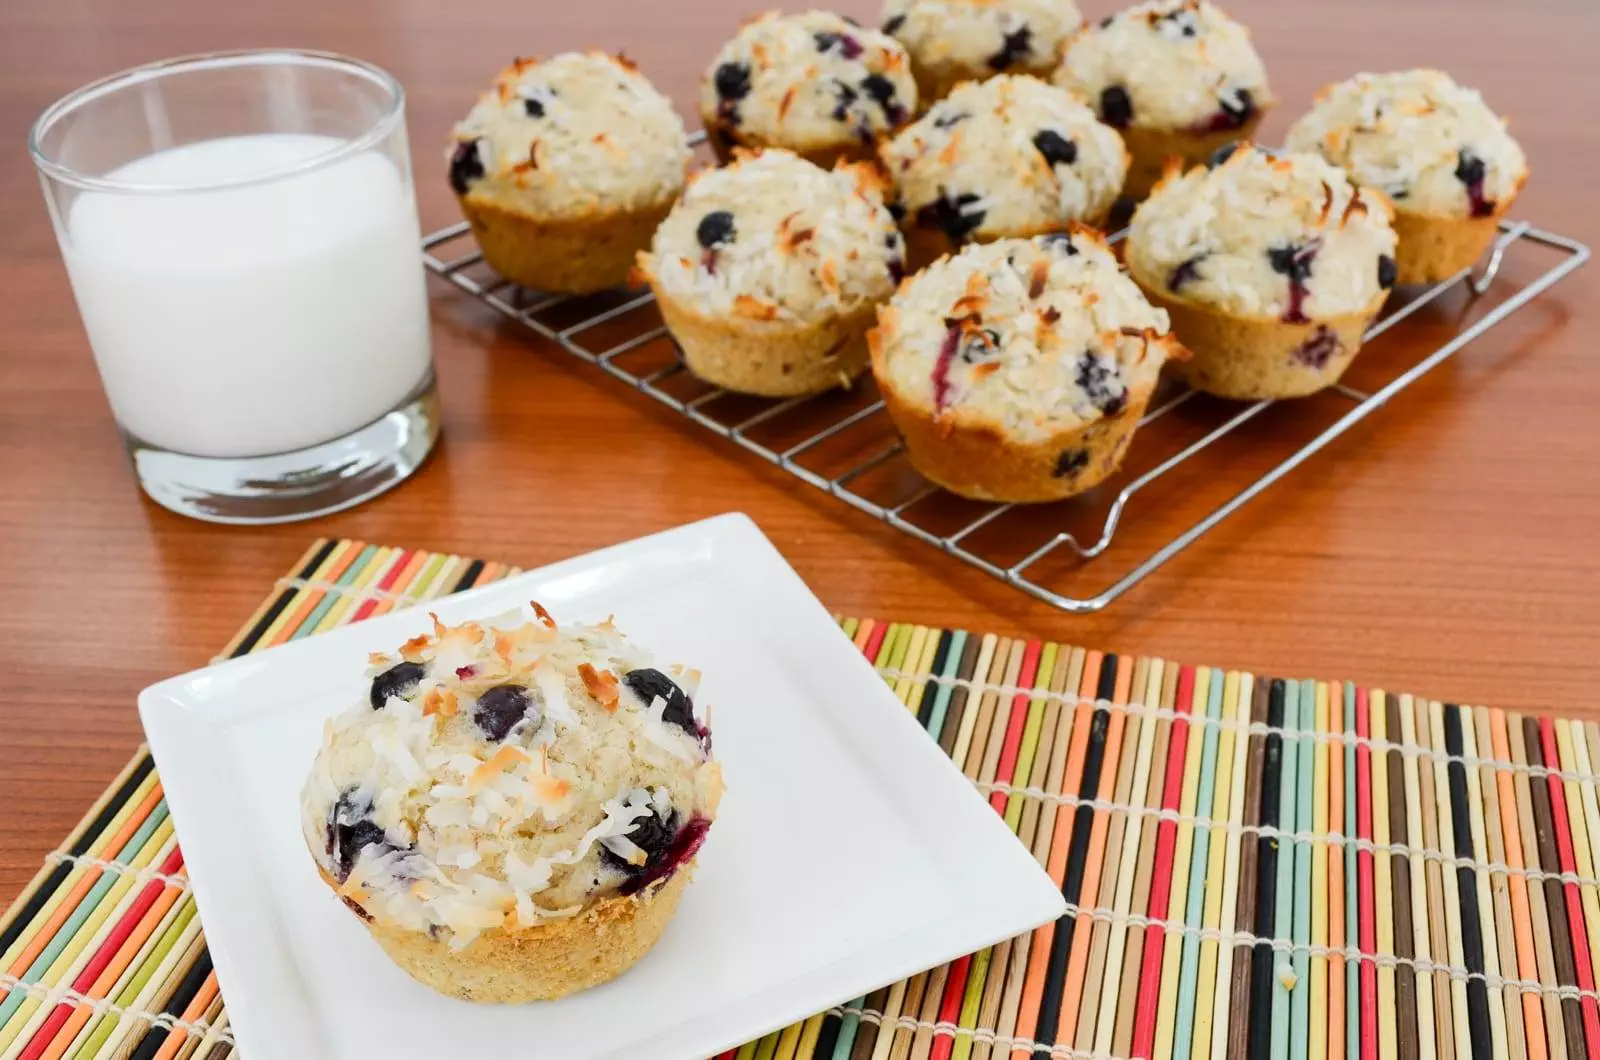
[513,809]
[1175,77]
[952,41]
[1271,269]
[565,168]
[1019,370]
[769,270]
[1007,157]
[1435,148]
[816,84]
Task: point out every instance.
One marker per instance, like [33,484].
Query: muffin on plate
[1019,370]
[1435,148]
[1271,267]
[513,809]
[1007,157]
[1175,77]
[952,41]
[565,168]
[814,83]
[768,270]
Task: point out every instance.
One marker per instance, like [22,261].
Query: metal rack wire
[842,443]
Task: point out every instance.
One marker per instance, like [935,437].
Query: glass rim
[162,68]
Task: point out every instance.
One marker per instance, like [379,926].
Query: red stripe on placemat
[1144,1018]
[385,584]
[97,964]
[1017,722]
[1365,898]
[875,640]
[1575,918]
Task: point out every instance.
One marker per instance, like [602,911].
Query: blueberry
[465,166]
[351,830]
[1059,241]
[1070,462]
[1386,271]
[847,98]
[1183,19]
[650,834]
[881,89]
[534,107]
[979,345]
[500,709]
[1057,149]
[732,81]
[1222,154]
[1469,167]
[951,216]
[848,46]
[1186,272]
[893,22]
[1116,109]
[400,680]
[1014,47]
[1105,23]
[1095,378]
[715,228]
[1293,261]
[946,118]
[647,684]
[897,270]
[1238,107]
[1316,350]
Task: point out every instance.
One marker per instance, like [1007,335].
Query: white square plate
[849,852]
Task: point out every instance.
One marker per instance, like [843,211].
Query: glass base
[286,487]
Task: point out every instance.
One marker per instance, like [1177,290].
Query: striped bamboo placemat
[1254,867]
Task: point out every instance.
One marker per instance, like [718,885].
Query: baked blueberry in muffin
[565,168]
[1007,157]
[769,270]
[812,83]
[1175,77]
[513,809]
[952,41]
[1435,148]
[1271,268]
[1018,370]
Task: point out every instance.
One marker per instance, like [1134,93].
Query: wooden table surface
[1445,546]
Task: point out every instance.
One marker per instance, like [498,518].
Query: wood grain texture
[1444,547]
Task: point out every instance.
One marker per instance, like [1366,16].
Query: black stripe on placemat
[1405,977]
[1261,977]
[474,569]
[940,655]
[259,630]
[1466,878]
[827,1038]
[1055,978]
[28,910]
[1245,911]
[153,1038]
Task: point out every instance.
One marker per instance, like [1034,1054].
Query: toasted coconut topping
[1057,340]
[484,795]
[551,134]
[1431,145]
[1259,236]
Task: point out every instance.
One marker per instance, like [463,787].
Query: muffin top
[1003,157]
[774,237]
[501,774]
[961,39]
[1431,145]
[1168,64]
[1255,235]
[569,136]
[809,82]
[1026,337]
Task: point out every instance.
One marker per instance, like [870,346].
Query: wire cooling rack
[843,443]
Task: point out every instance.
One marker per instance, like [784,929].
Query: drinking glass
[241,236]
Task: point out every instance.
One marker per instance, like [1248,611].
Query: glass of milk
[241,236]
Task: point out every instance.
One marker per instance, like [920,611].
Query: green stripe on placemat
[1255,867]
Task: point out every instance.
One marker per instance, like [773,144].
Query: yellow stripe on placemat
[103,956]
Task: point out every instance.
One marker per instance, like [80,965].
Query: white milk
[254,320]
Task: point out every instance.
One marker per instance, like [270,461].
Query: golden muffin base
[1433,248]
[1247,358]
[569,256]
[769,358]
[982,464]
[1149,149]
[541,963]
